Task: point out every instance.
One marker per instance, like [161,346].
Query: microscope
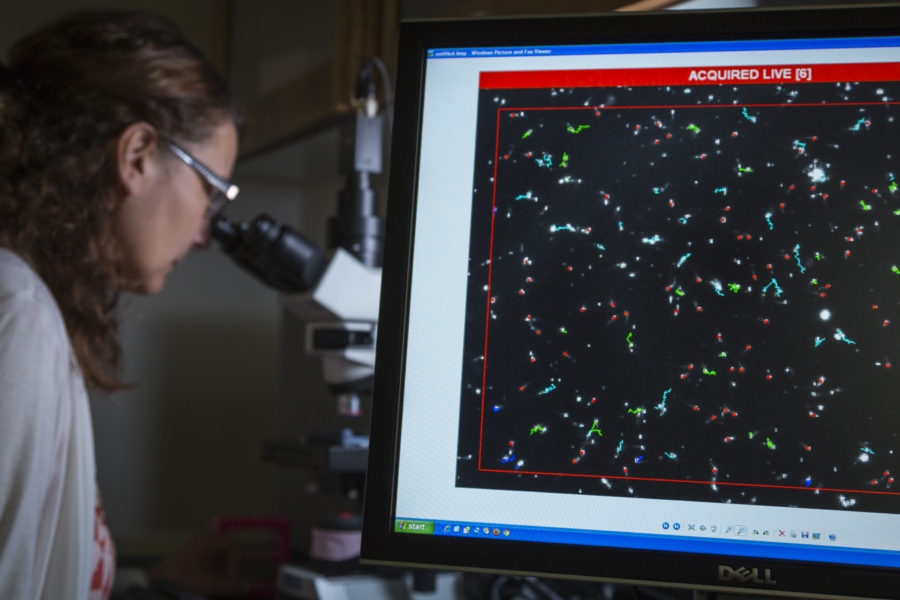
[338,297]
[335,294]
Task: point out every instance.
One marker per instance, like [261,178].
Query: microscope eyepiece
[273,252]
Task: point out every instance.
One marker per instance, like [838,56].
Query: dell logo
[744,575]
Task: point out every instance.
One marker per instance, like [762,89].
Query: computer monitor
[641,301]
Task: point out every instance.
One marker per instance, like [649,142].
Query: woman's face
[163,215]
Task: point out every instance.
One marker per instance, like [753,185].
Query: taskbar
[821,548]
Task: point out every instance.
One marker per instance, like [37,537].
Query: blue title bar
[664,48]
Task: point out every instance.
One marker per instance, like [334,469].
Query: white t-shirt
[48,493]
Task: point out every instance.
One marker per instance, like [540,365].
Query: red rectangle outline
[488,310]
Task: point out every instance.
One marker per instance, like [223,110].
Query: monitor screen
[641,301]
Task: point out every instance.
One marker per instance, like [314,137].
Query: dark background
[801,424]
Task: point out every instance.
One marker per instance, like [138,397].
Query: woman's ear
[136,149]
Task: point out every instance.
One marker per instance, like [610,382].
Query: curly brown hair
[68,93]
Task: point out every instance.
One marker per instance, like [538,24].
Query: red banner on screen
[691,76]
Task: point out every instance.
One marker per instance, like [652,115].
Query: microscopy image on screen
[686,292]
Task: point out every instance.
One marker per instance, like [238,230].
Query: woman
[116,139]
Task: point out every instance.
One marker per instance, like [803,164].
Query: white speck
[825,314]
[863,457]
[816,174]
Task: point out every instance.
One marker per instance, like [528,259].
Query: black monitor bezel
[380,544]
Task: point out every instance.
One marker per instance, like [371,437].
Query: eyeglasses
[222,192]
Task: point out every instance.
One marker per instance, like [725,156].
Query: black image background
[802,424]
